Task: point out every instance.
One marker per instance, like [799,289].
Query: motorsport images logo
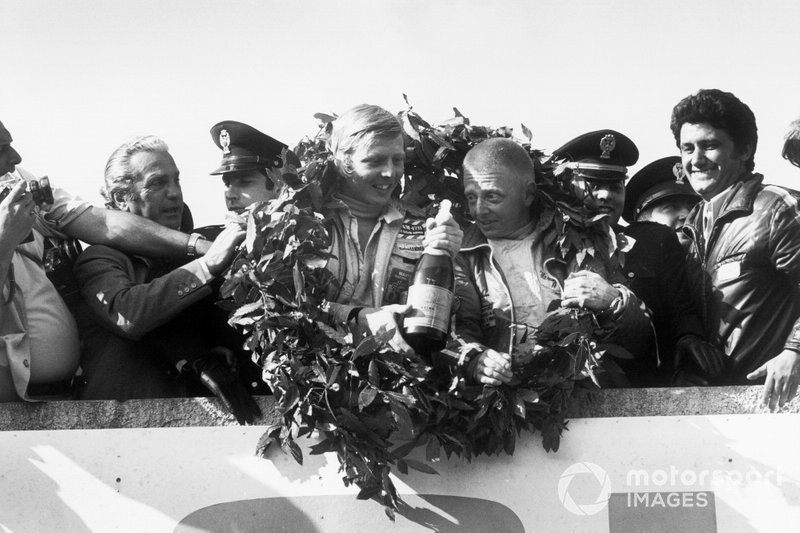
[584,482]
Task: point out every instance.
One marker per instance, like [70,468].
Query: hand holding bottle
[443,232]
[431,293]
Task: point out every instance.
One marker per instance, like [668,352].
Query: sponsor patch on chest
[412,229]
[397,285]
[410,237]
[729,271]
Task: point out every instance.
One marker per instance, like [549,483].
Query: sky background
[79,77]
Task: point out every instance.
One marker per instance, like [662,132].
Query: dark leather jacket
[485,312]
[748,273]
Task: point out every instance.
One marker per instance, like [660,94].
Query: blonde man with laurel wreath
[376,238]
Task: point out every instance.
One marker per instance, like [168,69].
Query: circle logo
[585,509]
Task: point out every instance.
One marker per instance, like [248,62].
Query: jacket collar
[474,239]
[739,197]
[393,211]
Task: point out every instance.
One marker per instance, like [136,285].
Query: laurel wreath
[369,405]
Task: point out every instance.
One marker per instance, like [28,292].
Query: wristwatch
[191,245]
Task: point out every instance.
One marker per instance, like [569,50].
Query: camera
[40,189]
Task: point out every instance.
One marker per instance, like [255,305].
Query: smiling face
[157,193]
[245,188]
[606,197]
[711,160]
[373,170]
[498,201]
[9,158]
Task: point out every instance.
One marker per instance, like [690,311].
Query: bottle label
[397,285]
[430,307]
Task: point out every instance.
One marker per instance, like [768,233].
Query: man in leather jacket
[502,275]
[745,245]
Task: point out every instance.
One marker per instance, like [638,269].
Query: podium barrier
[690,459]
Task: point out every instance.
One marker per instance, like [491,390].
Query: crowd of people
[708,292]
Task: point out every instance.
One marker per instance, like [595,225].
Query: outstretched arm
[130,233]
[120,299]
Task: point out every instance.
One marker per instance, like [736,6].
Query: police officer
[249,169]
[250,160]
[660,193]
[654,266]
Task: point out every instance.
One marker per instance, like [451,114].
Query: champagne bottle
[430,297]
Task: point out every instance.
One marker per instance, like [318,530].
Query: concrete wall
[178,412]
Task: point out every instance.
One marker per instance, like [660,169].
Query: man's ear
[746,153]
[530,188]
[121,201]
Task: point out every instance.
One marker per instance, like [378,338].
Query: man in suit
[141,304]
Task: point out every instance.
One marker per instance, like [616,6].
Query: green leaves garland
[370,405]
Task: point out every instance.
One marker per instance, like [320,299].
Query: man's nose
[698,157]
[390,169]
[16,159]
[174,190]
[479,207]
[601,193]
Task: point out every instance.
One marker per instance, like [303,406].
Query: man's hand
[217,372]
[443,235]
[783,377]
[708,357]
[220,254]
[17,214]
[383,319]
[493,368]
[588,289]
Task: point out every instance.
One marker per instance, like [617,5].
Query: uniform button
[180,293]
[194,285]
[631,274]
[26,363]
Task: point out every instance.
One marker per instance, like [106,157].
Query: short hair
[791,145]
[354,126]
[722,110]
[119,178]
[499,151]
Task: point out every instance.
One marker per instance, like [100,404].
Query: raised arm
[16,219]
[130,233]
